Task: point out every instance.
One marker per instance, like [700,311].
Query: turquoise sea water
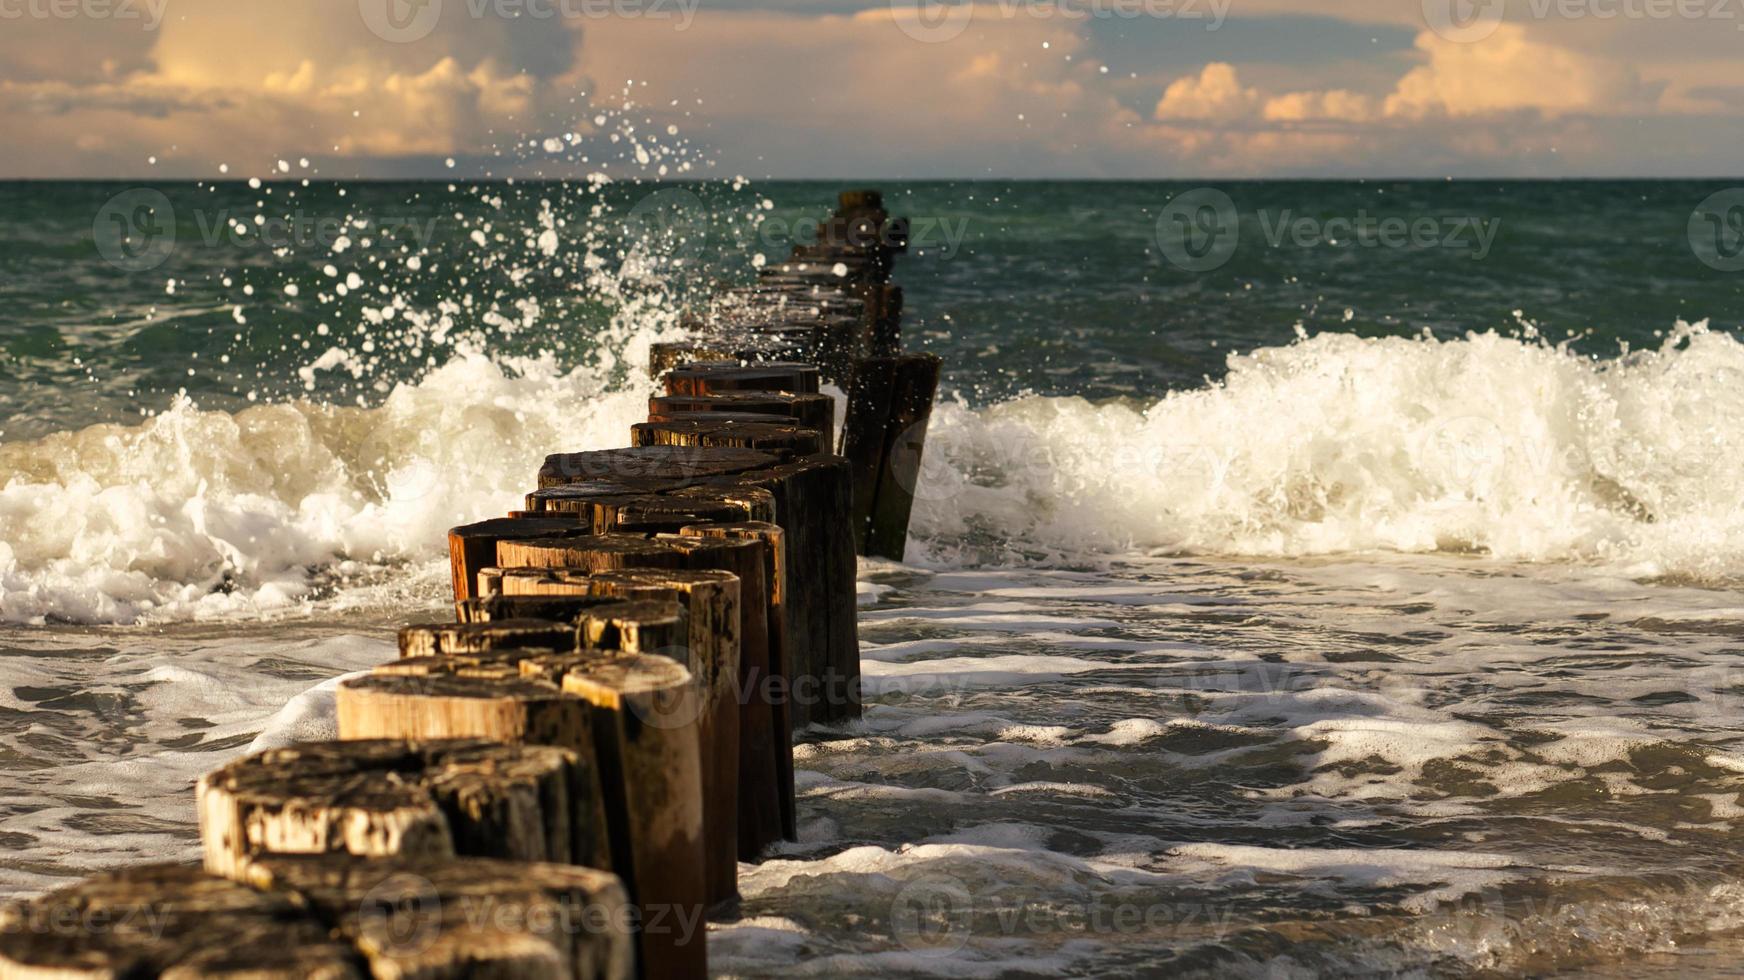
[1307,578]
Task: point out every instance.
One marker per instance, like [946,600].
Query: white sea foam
[1341,443]
[197,513]
[1333,444]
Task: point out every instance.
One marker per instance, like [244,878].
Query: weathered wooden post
[602,513]
[811,411]
[760,791]
[813,504]
[711,603]
[456,918]
[776,687]
[444,639]
[708,378]
[646,714]
[632,715]
[787,440]
[650,467]
[473,547]
[883,438]
[393,797]
[329,916]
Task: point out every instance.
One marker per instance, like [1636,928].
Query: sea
[1306,578]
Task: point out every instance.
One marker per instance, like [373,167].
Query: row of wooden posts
[563,781]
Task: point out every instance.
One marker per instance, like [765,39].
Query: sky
[889,89]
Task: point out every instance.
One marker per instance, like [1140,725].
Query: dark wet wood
[715,379]
[711,602]
[883,438]
[787,440]
[811,411]
[645,467]
[761,789]
[812,505]
[776,689]
[647,512]
[646,712]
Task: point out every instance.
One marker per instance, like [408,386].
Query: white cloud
[1509,72]
[1215,93]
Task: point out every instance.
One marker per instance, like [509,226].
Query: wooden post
[775,689]
[812,505]
[447,639]
[883,439]
[757,503]
[760,790]
[664,357]
[812,411]
[663,467]
[715,379]
[390,797]
[711,600]
[601,624]
[645,712]
[602,513]
[541,712]
[473,547]
[170,921]
[785,440]
[461,918]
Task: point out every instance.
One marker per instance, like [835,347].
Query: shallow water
[1263,768]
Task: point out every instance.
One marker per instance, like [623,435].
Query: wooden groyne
[562,781]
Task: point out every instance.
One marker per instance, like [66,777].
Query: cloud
[1509,72]
[846,88]
[1215,93]
[248,83]
[1340,105]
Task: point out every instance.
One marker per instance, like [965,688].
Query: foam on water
[1335,444]
[196,514]
[1339,443]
